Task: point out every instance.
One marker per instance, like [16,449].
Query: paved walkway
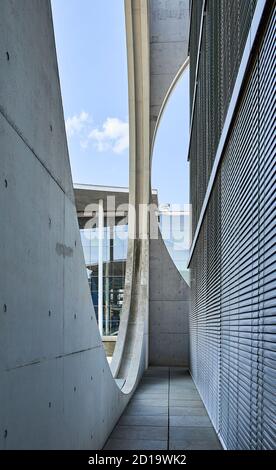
[165,413]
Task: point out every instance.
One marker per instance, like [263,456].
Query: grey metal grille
[233,268]
[196,8]
[225,29]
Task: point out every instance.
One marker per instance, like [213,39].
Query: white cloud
[76,124]
[113,136]
[84,144]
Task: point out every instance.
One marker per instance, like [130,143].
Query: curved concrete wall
[169,307]
[169,295]
[56,390]
[157,40]
[131,352]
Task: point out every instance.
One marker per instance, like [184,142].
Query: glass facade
[114,246]
[175,229]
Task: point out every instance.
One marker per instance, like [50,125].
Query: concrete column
[106,296]
[107,286]
[100,266]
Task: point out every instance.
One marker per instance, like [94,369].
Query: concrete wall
[169,306]
[169,295]
[56,390]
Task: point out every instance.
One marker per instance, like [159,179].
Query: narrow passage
[165,413]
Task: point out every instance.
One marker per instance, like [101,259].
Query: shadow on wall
[53,368]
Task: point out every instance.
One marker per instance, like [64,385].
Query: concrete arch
[168,95]
[130,356]
[169,294]
[154,28]
[169,39]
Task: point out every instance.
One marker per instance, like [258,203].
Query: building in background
[104,240]
[174,225]
[103,221]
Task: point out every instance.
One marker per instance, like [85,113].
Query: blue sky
[91,49]
[170,169]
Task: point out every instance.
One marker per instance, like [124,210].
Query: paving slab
[136,410]
[150,402]
[174,402]
[159,433]
[166,412]
[185,395]
[188,411]
[154,386]
[199,445]
[148,396]
[155,391]
[122,444]
[193,434]
[181,384]
[155,379]
[188,420]
[153,420]
[156,371]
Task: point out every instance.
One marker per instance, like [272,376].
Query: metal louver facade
[233,257]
